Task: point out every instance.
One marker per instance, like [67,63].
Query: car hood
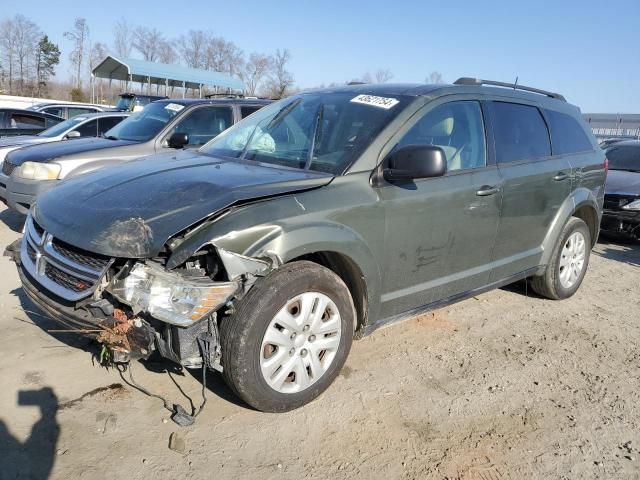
[53,150]
[132,210]
[622,182]
[21,140]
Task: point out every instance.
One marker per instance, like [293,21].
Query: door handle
[560,176]
[486,190]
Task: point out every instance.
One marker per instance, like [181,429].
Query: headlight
[38,171]
[171,297]
[635,205]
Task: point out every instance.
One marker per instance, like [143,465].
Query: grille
[8,168]
[31,252]
[65,279]
[65,270]
[79,256]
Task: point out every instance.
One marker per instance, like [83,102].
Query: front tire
[289,337]
[568,264]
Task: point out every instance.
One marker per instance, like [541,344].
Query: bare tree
[26,35]
[98,54]
[79,35]
[147,42]
[221,55]
[8,46]
[383,75]
[255,70]
[122,38]
[167,52]
[281,80]
[192,47]
[435,77]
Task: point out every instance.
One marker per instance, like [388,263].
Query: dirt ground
[502,386]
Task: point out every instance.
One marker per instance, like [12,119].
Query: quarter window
[567,136]
[520,133]
[457,128]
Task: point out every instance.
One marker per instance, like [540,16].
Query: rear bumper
[20,194]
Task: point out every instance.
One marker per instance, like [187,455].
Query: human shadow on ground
[13,220]
[33,458]
[619,248]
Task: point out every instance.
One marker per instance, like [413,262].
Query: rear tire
[289,337]
[568,264]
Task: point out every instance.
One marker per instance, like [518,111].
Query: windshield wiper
[111,137]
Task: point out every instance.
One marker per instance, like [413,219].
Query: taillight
[606,165]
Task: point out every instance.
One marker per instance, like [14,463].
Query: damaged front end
[135,307]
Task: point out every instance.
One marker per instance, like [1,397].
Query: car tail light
[606,165]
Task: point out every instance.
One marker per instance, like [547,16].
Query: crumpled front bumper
[128,339]
[621,221]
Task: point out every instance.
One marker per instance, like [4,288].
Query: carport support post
[93,88]
[166,86]
[200,90]
[183,86]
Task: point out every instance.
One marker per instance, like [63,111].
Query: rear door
[535,185]
[440,231]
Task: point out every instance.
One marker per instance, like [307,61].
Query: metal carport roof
[134,70]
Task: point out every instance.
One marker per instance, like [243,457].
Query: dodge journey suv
[314,221]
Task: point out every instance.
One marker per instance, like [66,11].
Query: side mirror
[178,140]
[415,161]
[72,134]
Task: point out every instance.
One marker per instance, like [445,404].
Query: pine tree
[47,57]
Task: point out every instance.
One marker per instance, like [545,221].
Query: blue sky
[586,50]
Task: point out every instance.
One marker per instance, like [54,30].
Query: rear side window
[567,136]
[73,111]
[246,111]
[19,120]
[520,133]
[54,111]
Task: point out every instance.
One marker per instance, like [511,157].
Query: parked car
[319,218]
[66,110]
[162,126]
[91,125]
[622,192]
[134,102]
[15,121]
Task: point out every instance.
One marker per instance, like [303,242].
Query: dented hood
[131,210]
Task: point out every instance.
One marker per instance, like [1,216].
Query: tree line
[28,60]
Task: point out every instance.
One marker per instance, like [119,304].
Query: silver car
[80,126]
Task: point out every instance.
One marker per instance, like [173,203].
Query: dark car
[15,121]
[315,221]
[162,126]
[622,192]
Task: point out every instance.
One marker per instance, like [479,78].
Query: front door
[440,231]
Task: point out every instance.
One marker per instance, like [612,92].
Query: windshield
[146,124]
[62,127]
[324,132]
[624,158]
[124,103]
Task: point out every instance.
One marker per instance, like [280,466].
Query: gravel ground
[505,385]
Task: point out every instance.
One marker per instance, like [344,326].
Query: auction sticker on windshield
[174,107]
[381,102]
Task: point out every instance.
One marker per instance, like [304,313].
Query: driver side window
[457,128]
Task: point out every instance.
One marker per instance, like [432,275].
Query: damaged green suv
[315,221]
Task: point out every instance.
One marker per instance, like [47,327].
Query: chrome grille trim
[46,255]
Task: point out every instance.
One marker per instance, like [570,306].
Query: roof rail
[515,86]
